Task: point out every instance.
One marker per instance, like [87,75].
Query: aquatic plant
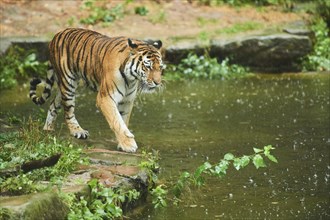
[219,170]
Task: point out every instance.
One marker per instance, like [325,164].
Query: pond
[193,122]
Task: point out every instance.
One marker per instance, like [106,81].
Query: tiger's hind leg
[52,112]
[68,102]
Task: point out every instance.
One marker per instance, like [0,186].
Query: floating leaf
[272,158]
[245,160]
[237,163]
[257,150]
[229,156]
[258,161]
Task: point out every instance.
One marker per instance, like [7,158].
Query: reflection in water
[191,122]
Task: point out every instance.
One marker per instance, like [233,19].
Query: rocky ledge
[112,168]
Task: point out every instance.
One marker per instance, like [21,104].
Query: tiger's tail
[47,90]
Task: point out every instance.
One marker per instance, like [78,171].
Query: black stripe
[100,47]
[106,85]
[64,98]
[117,44]
[91,57]
[67,107]
[130,93]
[80,56]
[68,118]
[124,77]
[69,42]
[122,49]
[34,82]
[118,89]
[122,113]
[67,90]
[50,81]
[77,44]
[47,91]
[108,46]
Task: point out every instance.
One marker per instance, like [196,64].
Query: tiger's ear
[132,44]
[158,44]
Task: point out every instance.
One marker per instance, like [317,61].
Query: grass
[28,144]
[240,27]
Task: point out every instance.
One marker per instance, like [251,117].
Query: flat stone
[270,53]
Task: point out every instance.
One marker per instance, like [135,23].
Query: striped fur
[117,68]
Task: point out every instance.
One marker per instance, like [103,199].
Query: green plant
[150,166]
[159,17]
[197,178]
[323,10]
[319,58]
[103,203]
[100,13]
[17,64]
[158,196]
[205,67]
[141,10]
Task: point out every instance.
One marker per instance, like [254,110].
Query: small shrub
[101,13]
[205,67]
[141,10]
[319,59]
[19,64]
[104,203]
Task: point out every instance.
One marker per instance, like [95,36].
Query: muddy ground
[168,20]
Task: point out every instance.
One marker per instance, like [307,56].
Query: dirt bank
[169,20]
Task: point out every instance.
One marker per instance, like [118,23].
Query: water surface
[198,121]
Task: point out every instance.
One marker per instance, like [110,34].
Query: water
[192,122]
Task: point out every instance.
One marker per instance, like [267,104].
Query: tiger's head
[146,64]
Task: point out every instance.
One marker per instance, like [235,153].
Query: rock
[272,53]
[298,28]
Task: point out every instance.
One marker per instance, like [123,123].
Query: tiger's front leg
[108,106]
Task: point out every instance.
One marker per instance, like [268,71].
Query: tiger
[117,68]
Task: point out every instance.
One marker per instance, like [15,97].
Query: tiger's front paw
[128,145]
[49,127]
[80,134]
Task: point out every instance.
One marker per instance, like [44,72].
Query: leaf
[237,163]
[245,160]
[272,158]
[201,169]
[258,161]
[257,150]
[229,156]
